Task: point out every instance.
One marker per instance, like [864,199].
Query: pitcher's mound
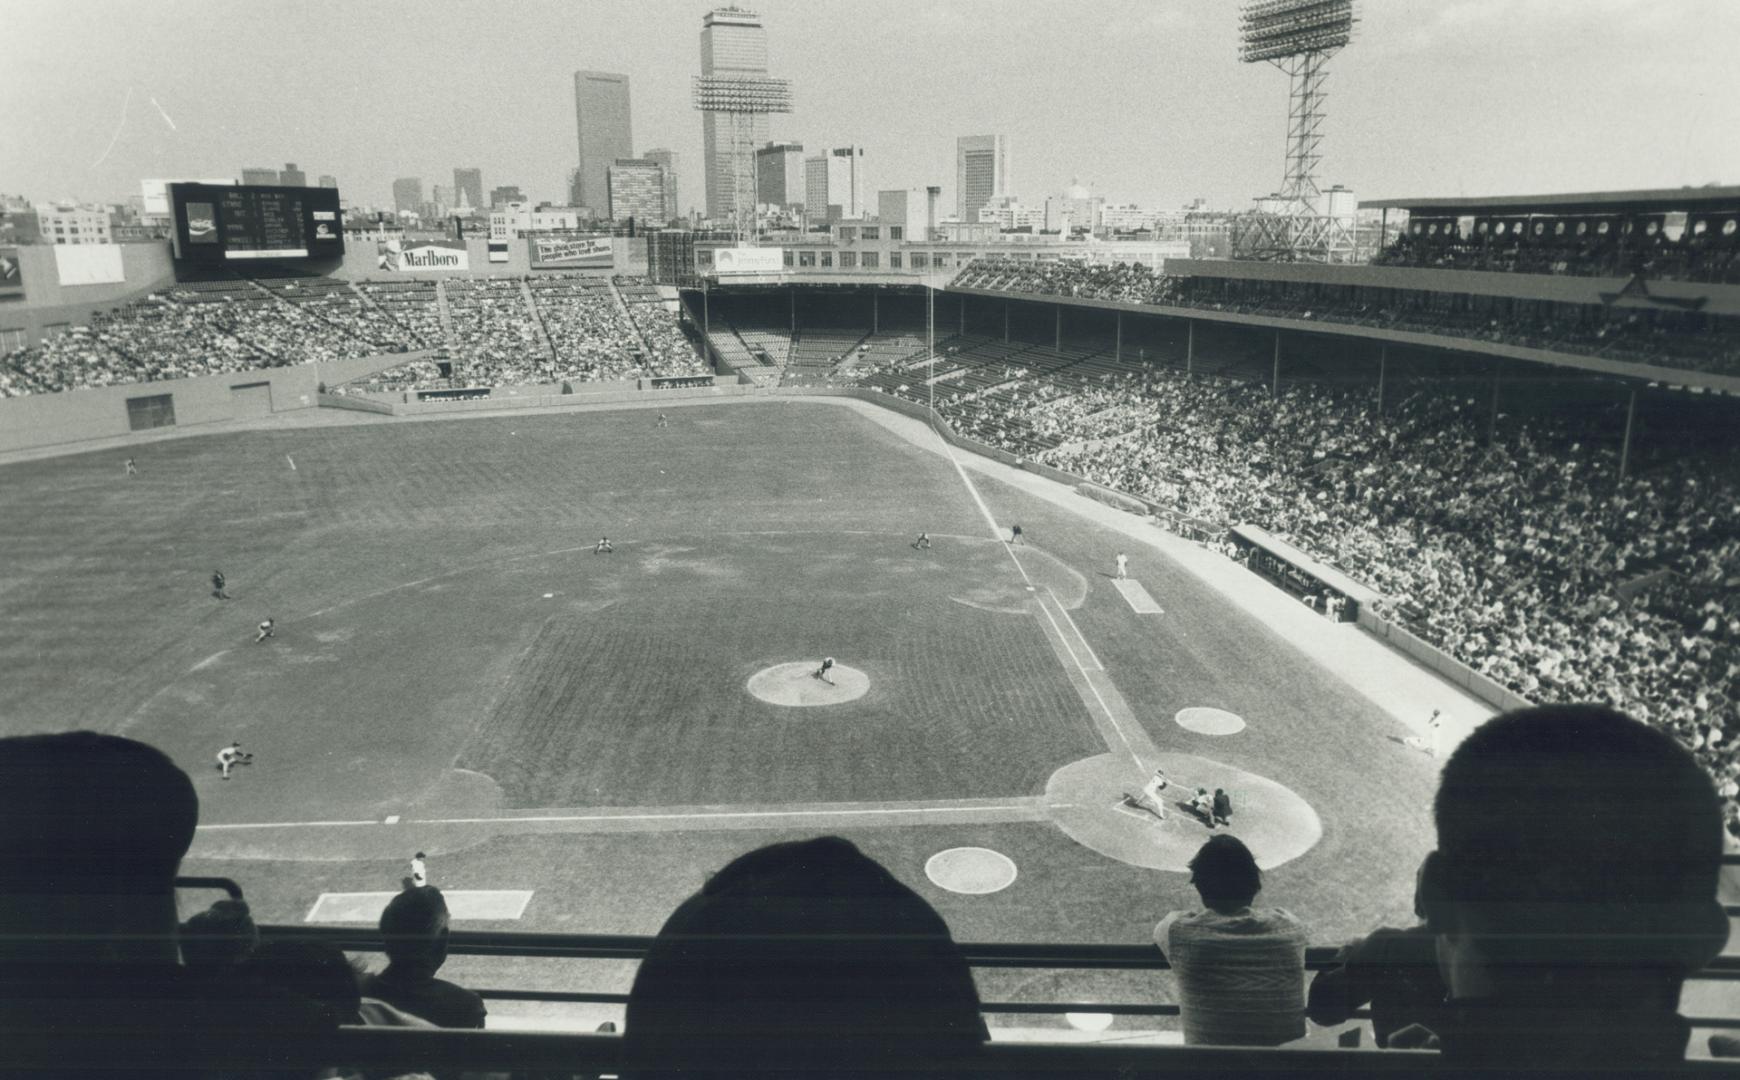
[796,684]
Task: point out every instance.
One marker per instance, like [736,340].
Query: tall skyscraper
[981,173]
[667,158]
[637,190]
[837,184]
[408,195]
[470,181]
[779,175]
[733,42]
[292,176]
[601,118]
[268,177]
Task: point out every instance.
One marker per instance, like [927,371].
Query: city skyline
[1145,102]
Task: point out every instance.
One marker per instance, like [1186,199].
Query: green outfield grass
[449,649]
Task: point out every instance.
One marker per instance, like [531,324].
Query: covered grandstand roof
[1646,199]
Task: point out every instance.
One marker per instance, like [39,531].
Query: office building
[501,196]
[981,173]
[601,119]
[637,191]
[268,177]
[328,180]
[408,195]
[667,158]
[470,181]
[292,176]
[835,184]
[733,42]
[779,175]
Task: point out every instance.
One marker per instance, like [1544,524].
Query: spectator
[414,925]
[92,831]
[214,941]
[316,971]
[1393,971]
[1240,971]
[1568,913]
[807,956]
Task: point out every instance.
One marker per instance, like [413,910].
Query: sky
[1143,101]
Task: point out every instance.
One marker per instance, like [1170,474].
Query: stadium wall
[47,303]
[76,416]
[1448,667]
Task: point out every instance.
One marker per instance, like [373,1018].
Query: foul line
[1061,610]
[996,530]
[1021,808]
[1111,718]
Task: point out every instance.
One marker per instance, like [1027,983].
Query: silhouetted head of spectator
[316,971]
[219,937]
[804,955]
[415,927]
[1225,874]
[1578,852]
[92,831]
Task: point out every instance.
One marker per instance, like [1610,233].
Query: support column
[1625,447]
[875,312]
[1275,380]
[1189,348]
[794,311]
[1383,362]
[1057,344]
[963,301]
[1118,352]
[1005,322]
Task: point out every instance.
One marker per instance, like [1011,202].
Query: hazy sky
[1143,100]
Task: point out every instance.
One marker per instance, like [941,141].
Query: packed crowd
[180,334]
[1510,555]
[1668,338]
[809,958]
[576,329]
[1707,247]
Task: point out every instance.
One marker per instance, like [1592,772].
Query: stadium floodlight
[740,99]
[1298,36]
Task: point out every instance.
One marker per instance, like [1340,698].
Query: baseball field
[455,670]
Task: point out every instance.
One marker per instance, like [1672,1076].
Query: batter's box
[366,907]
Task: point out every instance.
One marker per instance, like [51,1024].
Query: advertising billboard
[571,253]
[11,277]
[88,264]
[216,224]
[417,256]
[498,251]
[749,260]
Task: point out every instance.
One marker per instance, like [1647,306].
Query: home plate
[1140,602]
[366,907]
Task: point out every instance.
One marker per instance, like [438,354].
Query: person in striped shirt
[1239,970]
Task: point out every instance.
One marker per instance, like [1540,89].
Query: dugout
[1298,573]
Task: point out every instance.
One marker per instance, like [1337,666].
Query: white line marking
[1107,709]
[996,530]
[292,462]
[1061,610]
[701,816]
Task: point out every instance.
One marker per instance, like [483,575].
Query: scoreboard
[218,225]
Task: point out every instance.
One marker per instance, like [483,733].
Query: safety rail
[987,955]
[402,1049]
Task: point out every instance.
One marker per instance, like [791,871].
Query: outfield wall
[101,412]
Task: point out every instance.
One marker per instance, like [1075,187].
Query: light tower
[1297,36]
[739,99]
